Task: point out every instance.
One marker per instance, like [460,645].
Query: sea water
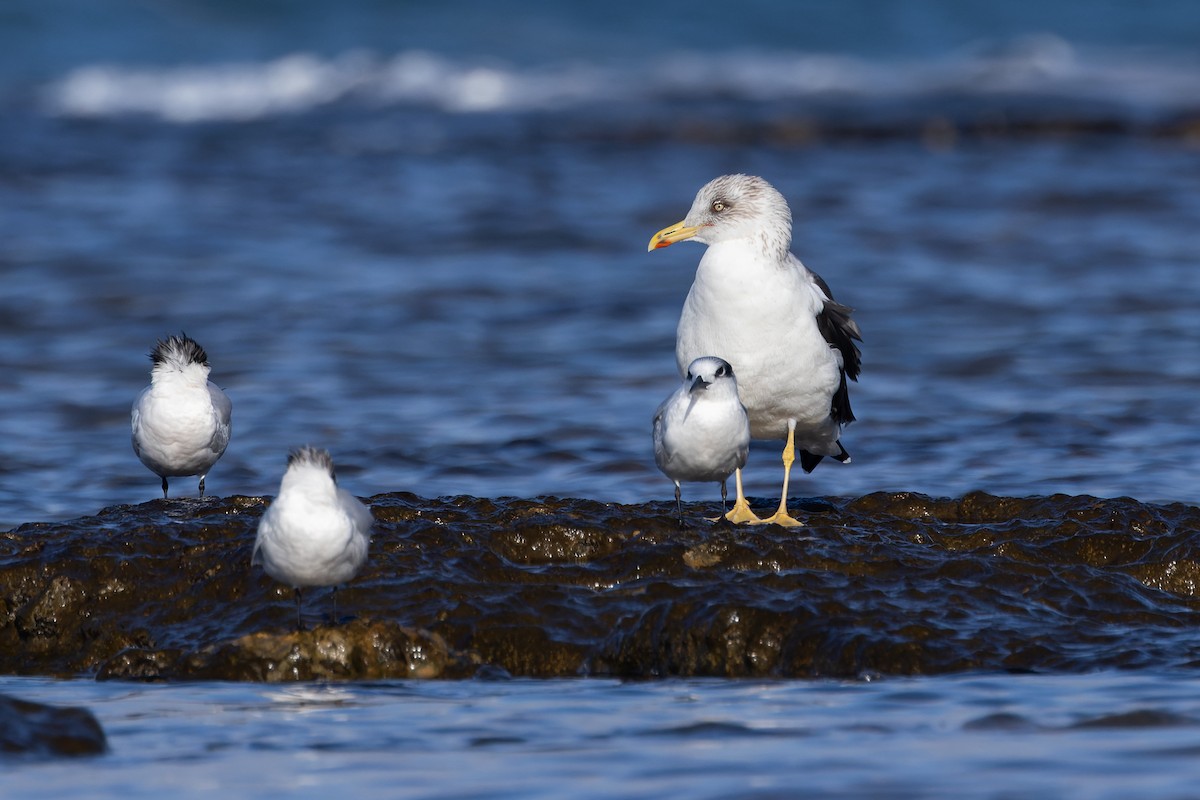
[1104,735]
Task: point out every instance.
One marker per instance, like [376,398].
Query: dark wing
[809,461]
[841,332]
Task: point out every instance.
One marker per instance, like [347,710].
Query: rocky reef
[459,587]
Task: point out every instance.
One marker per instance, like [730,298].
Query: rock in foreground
[34,729]
[887,583]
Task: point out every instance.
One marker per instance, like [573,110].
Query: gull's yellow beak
[672,234]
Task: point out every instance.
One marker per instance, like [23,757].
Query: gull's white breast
[761,317]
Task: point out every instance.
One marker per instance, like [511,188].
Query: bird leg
[299,622]
[333,616]
[724,503]
[741,509]
[164,488]
[202,477]
[781,516]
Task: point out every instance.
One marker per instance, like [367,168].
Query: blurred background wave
[194,61]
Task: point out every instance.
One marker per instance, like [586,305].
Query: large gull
[757,306]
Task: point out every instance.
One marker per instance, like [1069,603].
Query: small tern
[181,421]
[701,431]
[314,533]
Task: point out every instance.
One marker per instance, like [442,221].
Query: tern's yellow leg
[741,509]
[781,516]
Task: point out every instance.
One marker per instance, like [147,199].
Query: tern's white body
[701,432]
[314,533]
[181,422]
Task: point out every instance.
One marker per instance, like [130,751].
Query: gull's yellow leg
[781,516]
[741,509]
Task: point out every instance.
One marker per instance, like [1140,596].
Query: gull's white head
[709,373]
[734,207]
[179,357]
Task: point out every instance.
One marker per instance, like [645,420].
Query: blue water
[419,243]
[44,38]
[1108,735]
[456,322]
[415,234]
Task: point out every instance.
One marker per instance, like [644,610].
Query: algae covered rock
[359,650]
[889,583]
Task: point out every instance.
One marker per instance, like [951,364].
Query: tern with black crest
[181,421]
[314,533]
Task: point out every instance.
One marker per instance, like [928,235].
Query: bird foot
[780,517]
[741,513]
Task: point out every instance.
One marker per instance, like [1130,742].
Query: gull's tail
[809,461]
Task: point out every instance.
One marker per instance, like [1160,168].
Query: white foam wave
[1038,66]
[194,93]
[303,82]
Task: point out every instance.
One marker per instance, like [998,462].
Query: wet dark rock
[889,583]
[358,650]
[33,729]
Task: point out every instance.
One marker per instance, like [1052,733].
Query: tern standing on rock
[757,306]
[314,533]
[701,432]
[181,421]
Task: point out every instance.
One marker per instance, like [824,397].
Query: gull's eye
[718,206]
[722,372]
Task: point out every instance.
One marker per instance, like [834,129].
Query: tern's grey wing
[223,409]
[135,420]
[266,529]
[660,453]
[362,517]
[221,403]
[743,451]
